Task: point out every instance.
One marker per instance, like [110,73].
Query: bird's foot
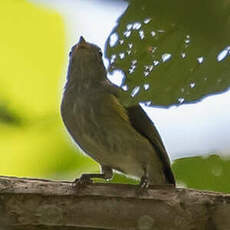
[143,185]
[86,179]
[81,182]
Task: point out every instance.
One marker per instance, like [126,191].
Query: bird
[118,137]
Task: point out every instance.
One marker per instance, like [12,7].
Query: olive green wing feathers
[141,122]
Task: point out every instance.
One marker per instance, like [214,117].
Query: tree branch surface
[32,204]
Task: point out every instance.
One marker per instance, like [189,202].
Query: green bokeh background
[33,141]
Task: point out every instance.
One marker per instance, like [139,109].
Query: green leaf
[171,52]
[211,173]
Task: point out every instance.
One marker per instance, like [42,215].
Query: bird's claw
[143,186]
[82,181]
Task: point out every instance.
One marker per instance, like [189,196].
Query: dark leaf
[171,52]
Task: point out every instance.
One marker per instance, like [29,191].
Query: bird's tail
[160,176]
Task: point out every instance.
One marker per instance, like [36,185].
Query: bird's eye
[70,53]
[100,52]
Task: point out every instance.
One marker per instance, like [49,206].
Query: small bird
[118,138]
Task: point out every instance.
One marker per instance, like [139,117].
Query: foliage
[211,173]
[171,52]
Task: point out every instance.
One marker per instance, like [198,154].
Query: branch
[31,204]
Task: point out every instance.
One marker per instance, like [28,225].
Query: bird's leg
[107,173]
[144,183]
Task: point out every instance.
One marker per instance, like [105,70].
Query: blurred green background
[33,140]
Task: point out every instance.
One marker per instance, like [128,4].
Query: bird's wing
[141,122]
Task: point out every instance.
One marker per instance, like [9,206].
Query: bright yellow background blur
[32,45]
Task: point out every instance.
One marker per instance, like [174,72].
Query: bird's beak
[81,44]
[81,40]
